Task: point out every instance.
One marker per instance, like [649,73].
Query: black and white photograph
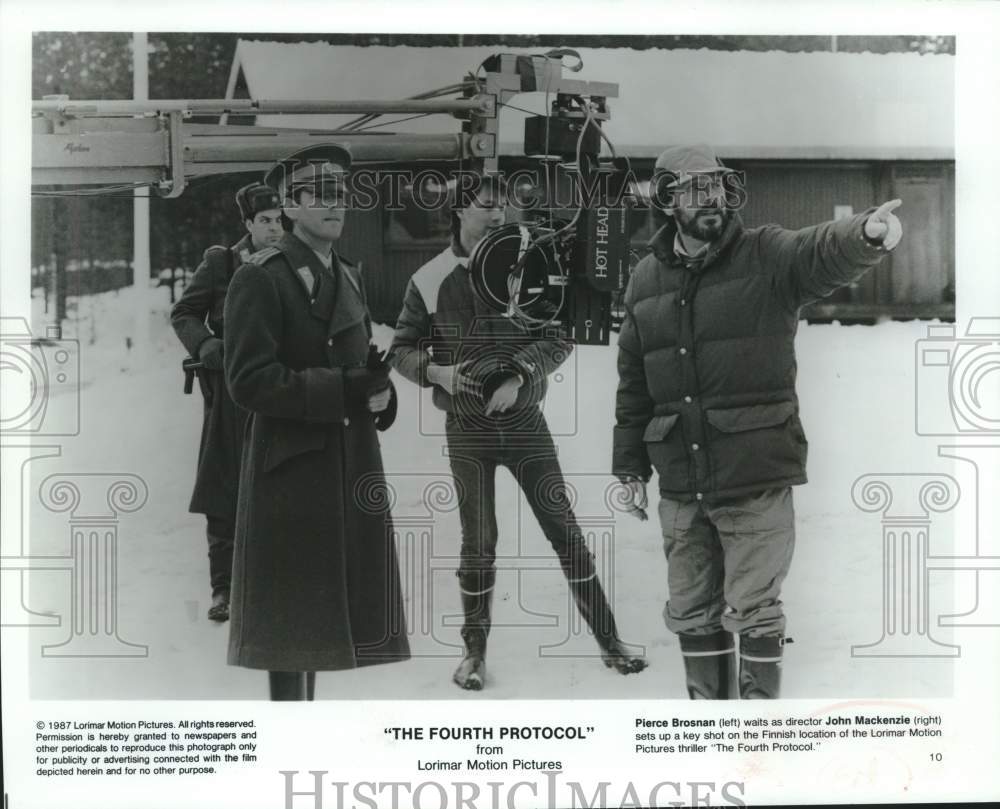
[644,371]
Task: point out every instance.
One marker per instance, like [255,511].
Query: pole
[102,108]
[141,271]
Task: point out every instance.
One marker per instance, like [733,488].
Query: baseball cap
[680,160]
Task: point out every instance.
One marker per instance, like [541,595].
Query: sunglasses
[330,192]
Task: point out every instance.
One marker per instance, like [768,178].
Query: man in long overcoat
[198,320]
[315,577]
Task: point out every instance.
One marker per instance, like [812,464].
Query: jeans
[525,447]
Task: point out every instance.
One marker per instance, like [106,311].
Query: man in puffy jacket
[490,376]
[706,396]
[198,320]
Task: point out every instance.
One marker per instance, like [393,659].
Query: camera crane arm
[99,142]
[153,143]
[563,270]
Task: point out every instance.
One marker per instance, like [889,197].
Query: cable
[107,191]
[112,191]
[390,123]
[518,268]
[519,109]
[371,116]
[355,123]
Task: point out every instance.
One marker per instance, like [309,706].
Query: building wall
[919,277]
[918,280]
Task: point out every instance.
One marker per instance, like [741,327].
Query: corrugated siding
[796,195]
[792,194]
[386,270]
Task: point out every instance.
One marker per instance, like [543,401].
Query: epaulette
[216,249]
[263,255]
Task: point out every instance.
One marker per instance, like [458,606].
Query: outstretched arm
[811,263]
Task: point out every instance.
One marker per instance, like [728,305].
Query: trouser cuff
[717,643]
[767,649]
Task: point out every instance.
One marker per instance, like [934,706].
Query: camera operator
[490,376]
[315,576]
[706,395]
[197,319]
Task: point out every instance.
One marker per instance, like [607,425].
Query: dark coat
[315,577]
[197,316]
[444,322]
[706,357]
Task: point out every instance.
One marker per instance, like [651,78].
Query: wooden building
[819,135]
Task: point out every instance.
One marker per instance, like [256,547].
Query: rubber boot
[710,665]
[596,611]
[287,686]
[471,672]
[760,666]
[220,569]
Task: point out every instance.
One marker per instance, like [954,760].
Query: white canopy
[747,104]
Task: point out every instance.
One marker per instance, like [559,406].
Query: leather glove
[360,383]
[210,353]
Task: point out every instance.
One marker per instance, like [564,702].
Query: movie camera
[562,263]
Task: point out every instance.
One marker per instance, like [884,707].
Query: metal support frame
[97,108]
[107,142]
[504,84]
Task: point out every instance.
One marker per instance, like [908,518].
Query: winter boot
[710,665]
[287,686]
[219,611]
[593,606]
[760,666]
[477,605]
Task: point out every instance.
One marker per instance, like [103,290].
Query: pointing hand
[883,225]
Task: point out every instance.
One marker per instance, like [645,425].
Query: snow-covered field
[856,387]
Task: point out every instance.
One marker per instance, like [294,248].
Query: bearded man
[706,396]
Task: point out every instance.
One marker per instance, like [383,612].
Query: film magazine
[564,414]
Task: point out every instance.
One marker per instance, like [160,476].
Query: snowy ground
[856,388]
